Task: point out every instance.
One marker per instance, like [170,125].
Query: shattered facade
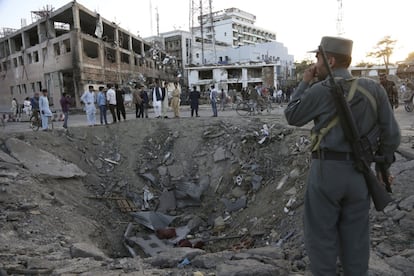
[69,49]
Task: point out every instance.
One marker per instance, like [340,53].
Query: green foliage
[384,49]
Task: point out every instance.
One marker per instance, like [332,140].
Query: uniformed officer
[336,221]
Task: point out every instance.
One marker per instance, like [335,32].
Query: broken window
[234,73]
[44,53]
[90,49]
[124,58]
[36,56]
[66,44]
[136,46]
[123,40]
[205,74]
[254,72]
[61,28]
[39,86]
[29,58]
[5,66]
[87,23]
[19,88]
[16,43]
[24,88]
[32,37]
[110,55]
[56,49]
[32,84]
[21,62]
[108,33]
[11,90]
[15,62]
[3,49]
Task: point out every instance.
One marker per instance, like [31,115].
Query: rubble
[207,201]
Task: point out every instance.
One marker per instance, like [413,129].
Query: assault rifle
[379,195]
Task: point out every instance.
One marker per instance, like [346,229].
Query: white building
[233,27]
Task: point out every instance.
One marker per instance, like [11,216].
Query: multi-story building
[233,27]
[69,49]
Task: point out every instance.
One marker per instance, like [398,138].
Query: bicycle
[36,121]
[245,108]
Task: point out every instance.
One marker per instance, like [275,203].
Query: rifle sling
[316,137]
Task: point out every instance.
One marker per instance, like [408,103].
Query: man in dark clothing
[391,90]
[64,103]
[120,107]
[194,96]
[145,102]
[337,202]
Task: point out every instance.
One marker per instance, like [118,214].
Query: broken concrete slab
[85,250]
[150,244]
[40,162]
[7,158]
[246,267]
[153,220]
[173,256]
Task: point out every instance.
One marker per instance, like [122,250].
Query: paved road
[405,119]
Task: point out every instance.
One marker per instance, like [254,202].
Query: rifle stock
[379,195]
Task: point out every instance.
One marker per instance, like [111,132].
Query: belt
[332,155]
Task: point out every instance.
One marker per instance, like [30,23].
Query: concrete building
[233,27]
[69,49]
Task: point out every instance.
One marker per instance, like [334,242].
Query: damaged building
[70,48]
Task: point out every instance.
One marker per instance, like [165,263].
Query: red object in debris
[198,244]
[184,243]
[166,233]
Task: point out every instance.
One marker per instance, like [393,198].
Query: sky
[298,24]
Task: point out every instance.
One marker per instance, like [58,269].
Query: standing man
[88,98]
[64,104]
[337,202]
[111,98]
[44,109]
[194,97]
[213,100]
[222,99]
[391,90]
[101,101]
[137,101]
[157,99]
[165,97]
[120,106]
[145,102]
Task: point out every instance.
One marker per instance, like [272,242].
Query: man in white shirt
[88,98]
[111,98]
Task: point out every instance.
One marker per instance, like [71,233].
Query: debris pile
[173,197]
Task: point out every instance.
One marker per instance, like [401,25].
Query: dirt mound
[227,185]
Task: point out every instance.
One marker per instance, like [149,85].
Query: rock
[172,257]
[377,266]
[402,264]
[219,154]
[85,250]
[407,203]
[246,267]
[41,162]
[211,260]
[268,251]
[7,158]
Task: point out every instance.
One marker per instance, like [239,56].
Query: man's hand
[43,112]
[309,74]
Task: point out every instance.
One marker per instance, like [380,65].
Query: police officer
[336,215]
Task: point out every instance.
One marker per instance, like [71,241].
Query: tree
[384,49]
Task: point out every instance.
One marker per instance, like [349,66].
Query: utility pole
[213,34]
[157,18]
[339,26]
[202,31]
